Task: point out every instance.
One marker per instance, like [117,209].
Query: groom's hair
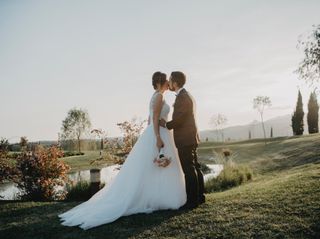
[179,78]
[158,78]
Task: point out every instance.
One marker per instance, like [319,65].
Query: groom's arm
[181,109]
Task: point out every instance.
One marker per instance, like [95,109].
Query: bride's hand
[160,143]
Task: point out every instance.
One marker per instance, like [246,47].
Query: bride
[141,186]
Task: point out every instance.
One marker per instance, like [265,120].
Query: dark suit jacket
[183,121]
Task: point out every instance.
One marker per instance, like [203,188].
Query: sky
[100,56]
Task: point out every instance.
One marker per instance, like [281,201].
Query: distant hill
[281,127]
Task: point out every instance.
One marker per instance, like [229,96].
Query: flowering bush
[41,174]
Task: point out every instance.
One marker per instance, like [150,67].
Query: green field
[89,160]
[282,201]
[278,154]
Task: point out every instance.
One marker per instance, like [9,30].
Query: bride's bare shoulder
[157,95]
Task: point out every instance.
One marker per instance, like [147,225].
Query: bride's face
[165,86]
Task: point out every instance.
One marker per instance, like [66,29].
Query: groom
[186,139]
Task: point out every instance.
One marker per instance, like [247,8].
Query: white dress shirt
[178,91]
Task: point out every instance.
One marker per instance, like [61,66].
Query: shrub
[69,153]
[80,191]
[232,175]
[13,155]
[204,168]
[41,173]
[7,168]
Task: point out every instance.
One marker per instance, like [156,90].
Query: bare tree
[218,121]
[100,134]
[131,131]
[260,103]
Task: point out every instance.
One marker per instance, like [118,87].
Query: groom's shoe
[188,206]
[202,199]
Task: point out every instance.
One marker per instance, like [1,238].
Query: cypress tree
[313,114]
[271,133]
[297,117]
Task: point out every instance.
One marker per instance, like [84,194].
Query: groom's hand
[162,123]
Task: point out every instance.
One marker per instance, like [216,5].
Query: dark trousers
[193,175]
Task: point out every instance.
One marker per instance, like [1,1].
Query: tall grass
[81,191]
[232,174]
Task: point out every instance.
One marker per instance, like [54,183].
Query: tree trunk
[79,148]
[264,130]
[101,148]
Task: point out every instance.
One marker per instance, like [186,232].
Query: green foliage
[313,114]
[232,175]
[86,145]
[15,147]
[68,153]
[7,168]
[297,117]
[80,191]
[4,145]
[75,125]
[13,155]
[8,171]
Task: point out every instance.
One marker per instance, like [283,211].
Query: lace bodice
[164,110]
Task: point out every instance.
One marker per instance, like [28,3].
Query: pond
[9,190]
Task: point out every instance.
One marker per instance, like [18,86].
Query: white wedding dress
[140,186]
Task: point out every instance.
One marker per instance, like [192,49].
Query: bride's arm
[156,115]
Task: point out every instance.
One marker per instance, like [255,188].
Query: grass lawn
[89,160]
[283,201]
[278,154]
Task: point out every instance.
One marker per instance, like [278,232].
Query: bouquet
[162,160]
